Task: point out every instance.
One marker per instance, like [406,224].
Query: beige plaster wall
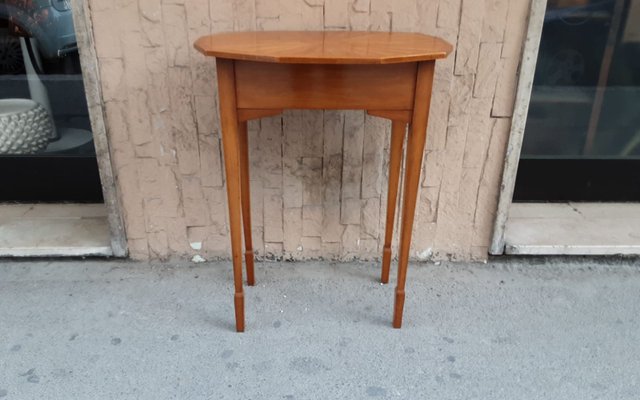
[318,178]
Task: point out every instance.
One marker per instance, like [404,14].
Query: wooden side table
[261,73]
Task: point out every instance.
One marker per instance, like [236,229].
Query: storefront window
[583,114]
[45,133]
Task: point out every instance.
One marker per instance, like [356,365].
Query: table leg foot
[249,258]
[398,309]
[386,265]
[238,302]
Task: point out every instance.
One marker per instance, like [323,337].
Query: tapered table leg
[398,130]
[246,201]
[231,149]
[414,155]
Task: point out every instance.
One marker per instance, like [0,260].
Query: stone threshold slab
[573,229]
[39,230]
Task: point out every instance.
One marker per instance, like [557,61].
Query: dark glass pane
[43,109]
[585,102]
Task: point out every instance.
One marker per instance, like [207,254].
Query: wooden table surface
[325,47]
[389,75]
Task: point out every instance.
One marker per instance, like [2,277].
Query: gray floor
[513,329]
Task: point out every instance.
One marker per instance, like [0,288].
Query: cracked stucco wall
[318,187]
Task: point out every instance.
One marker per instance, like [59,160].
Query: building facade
[318,178]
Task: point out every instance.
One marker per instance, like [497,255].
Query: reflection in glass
[586,97]
[43,109]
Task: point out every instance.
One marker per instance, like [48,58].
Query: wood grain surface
[324,47]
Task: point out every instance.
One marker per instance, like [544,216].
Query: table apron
[262,85]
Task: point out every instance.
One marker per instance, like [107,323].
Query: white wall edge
[518,122]
[93,91]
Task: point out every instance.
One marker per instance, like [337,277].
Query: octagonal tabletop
[324,47]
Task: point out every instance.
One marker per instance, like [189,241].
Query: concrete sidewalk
[512,329]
